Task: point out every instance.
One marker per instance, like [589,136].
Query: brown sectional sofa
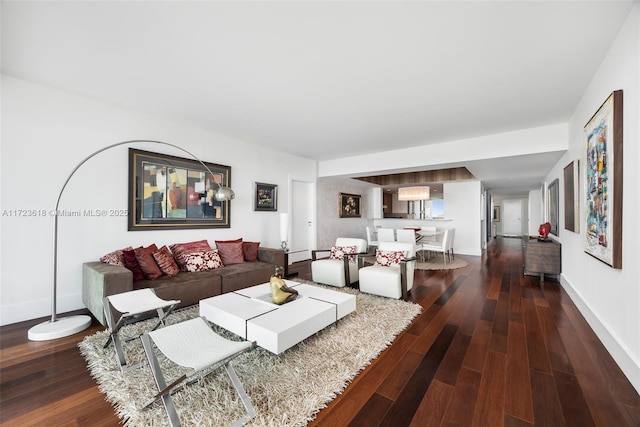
[100,280]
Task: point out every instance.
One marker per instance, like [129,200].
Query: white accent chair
[439,246]
[337,272]
[386,235]
[193,344]
[132,307]
[394,281]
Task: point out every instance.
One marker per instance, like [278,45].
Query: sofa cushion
[250,250]
[179,250]
[230,251]
[130,262]
[202,261]
[164,259]
[147,262]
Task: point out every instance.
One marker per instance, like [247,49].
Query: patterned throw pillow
[179,250]
[390,258]
[203,261]
[338,252]
[115,257]
[164,259]
[230,251]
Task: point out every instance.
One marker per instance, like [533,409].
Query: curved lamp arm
[50,330]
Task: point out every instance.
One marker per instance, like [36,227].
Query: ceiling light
[413,193]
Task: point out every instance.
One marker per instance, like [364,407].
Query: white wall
[609,298]
[46,132]
[535,212]
[462,206]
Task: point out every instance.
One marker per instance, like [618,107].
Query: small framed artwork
[266,197]
[495,217]
[571,197]
[350,205]
[554,206]
[603,182]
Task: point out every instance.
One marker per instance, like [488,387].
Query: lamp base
[62,327]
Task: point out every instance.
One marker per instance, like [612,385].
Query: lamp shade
[284,227]
[224,193]
[414,193]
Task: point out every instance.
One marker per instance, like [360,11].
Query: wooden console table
[542,257]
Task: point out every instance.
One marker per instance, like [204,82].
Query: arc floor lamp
[69,325]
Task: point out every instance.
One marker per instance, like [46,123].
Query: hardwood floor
[492,347]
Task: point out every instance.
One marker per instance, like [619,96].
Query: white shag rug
[287,389]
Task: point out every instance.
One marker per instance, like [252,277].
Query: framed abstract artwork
[350,205]
[603,182]
[265,197]
[572,197]
[169,192]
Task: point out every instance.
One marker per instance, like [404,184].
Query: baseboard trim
[618,351]
[41,308]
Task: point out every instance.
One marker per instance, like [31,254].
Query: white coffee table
[250,314]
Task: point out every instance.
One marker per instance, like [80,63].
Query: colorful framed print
[265,197]
[603,182]
[169,192]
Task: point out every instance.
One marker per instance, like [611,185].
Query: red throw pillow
[164,259]
[130,262]
[179,250]
[250,250]
[230,251]
[147,262]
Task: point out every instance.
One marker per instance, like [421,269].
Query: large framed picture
[265,197]
[169,192]
[603,183]
[350,205]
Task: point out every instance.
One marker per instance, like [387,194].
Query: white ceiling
[323,79]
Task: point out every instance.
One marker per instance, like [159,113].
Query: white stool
[192,344]
[131,305]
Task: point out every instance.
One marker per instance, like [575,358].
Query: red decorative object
[544,230]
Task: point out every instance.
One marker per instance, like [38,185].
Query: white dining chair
[386,235]
[452,234]
[372,237]
[405,235]
[438,246]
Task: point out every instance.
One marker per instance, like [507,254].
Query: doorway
[301,206]
[512,217]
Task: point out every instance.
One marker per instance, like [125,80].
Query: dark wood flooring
[492,347]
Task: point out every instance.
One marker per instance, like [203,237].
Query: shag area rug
[287,389]
[437,263]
